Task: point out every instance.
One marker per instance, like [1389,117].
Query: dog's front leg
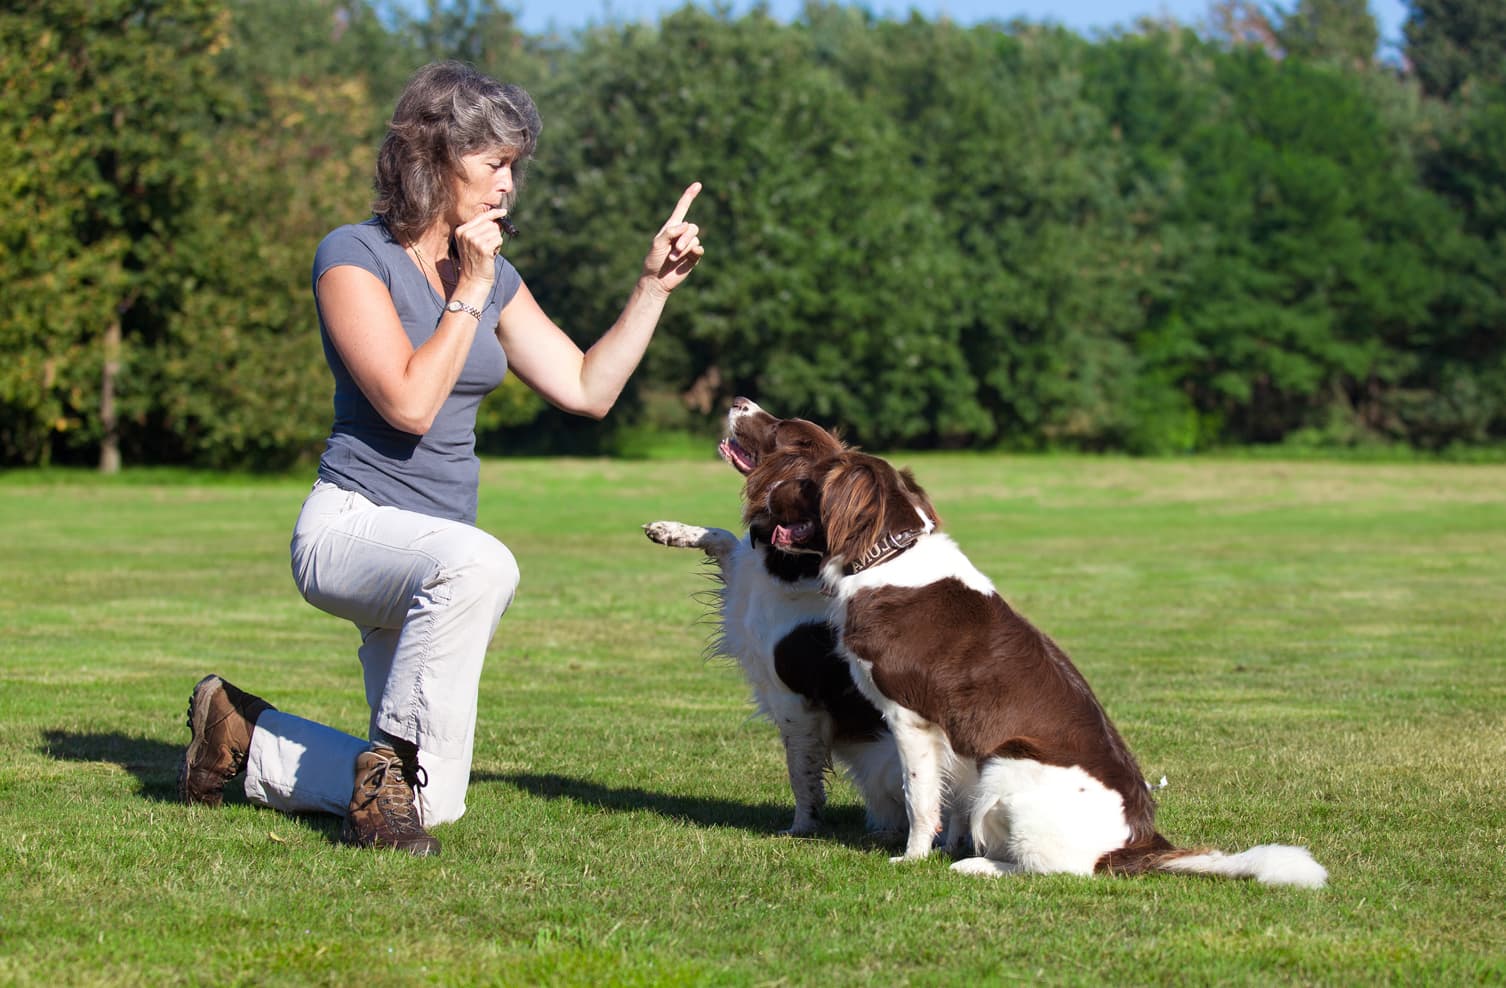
[717,543]
[805,755]
[807,751]
[921,749]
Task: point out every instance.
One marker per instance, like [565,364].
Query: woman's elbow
[595,412]
[414,421]
[584,406]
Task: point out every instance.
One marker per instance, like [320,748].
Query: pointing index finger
[683,206]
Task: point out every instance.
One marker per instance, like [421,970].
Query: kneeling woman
[420,317]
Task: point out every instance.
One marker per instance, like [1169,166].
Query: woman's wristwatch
[455,305]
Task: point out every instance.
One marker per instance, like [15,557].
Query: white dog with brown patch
[977,697]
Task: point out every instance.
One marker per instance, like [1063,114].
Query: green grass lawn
[1311,653]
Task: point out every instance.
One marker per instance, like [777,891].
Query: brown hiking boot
[220,721]
[384,805]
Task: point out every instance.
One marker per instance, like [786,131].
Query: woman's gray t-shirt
[438,472]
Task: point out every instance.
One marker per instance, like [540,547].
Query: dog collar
[887,548]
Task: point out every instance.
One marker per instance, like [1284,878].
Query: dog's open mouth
[742,461]
[792,536]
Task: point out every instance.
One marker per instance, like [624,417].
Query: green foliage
[240,376]
[1032,189]
[1458,387]
[106,117]
[1452,43]
[1312,261]
[931,235]
[809,296]
[1341,31]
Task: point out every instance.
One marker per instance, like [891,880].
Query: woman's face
[484,182]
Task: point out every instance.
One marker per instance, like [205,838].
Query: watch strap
[455,305]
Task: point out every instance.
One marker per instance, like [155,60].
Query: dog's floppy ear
[918,497]
[794,499]
[856,507]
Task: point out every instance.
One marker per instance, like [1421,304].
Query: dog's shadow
[843,824]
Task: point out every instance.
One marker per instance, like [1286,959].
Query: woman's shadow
[154,763]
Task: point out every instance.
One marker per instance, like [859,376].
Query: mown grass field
[1311,653]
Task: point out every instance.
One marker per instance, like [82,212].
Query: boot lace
[396,794]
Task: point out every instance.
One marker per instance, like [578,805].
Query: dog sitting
[773,623]
[976,696]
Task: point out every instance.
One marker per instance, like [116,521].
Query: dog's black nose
[741,404]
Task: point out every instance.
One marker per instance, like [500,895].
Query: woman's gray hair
[448,110]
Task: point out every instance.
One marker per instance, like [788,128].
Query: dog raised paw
[676,534]
[718,543]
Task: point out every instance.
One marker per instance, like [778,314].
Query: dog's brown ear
[808,439]
[795,499]
[918,496]
[850,510]
[862,499]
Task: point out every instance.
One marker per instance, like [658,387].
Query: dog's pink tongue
[783,536]
[735,455]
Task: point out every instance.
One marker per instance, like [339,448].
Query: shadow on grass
[843,824]
[155,765]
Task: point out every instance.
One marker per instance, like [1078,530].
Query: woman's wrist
[650,286]
[472,291]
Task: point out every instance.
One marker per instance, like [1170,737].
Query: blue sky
[1083,16]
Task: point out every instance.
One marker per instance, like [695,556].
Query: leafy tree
[1450,42]
[106,111]
[1316,265]
[1457,390]
[316,44]
[1244,23]
[1156,89]
[810,217]
[1302,249]
[467,30]
[1031,190]
[934,235]
[1342,31]
[237,376]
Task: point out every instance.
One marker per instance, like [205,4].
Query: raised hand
[477,242]
[677,246]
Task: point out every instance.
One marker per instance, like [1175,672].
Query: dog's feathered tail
[1270,864]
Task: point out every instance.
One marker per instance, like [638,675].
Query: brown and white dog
[979,700]
[773,622]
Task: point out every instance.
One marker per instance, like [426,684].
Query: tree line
[1166,239]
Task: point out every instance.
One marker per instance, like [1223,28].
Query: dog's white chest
[758,611]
